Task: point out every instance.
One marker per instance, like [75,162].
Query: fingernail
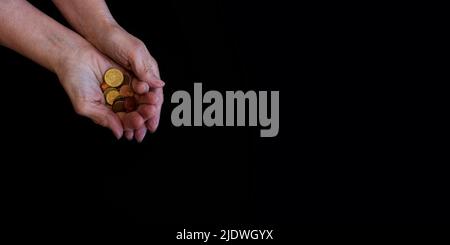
[155,122]
[117,135]
[128,135]
[146,87]
[159,83]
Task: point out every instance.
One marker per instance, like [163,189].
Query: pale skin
[80,59]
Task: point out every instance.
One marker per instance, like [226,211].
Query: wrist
[102,31]
[69,55]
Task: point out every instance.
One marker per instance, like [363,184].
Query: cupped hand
[132,54]
[81,75]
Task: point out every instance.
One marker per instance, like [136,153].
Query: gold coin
[110,95]
[113,77]
[108,90]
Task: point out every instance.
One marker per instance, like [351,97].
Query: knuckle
[151,111]
[137,47]
[153,61]
[133,54]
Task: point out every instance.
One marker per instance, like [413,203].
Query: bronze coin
[104,86]
[126,79]
[130,104]
[120,97]
[126,91]
[119,106]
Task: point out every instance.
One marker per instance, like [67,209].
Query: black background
[346,151]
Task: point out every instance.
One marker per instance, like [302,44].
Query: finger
[121,116]
[129,134]
[139,134]
[150,98]
[159,93]
[104,117]
[147,111]
[132,121]
[113,122]
[156,83]
[139,87]
[152,124]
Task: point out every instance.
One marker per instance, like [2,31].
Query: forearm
[90,18]
[33,34]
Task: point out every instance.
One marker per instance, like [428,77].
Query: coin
[113,77]
[108,90]
[119,106]
[126,91]
[120,97]
[111,95]
[126,79]
[130,104]
[104,86]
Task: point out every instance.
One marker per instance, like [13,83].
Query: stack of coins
[118,91]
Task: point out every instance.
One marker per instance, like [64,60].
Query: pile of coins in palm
[118,92]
